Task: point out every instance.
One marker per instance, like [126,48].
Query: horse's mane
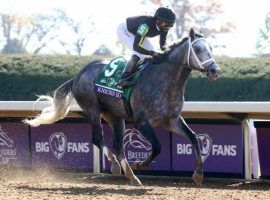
[176,44]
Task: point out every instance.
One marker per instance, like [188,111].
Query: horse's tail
[58,105]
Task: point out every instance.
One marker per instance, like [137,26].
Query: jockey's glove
[163,48]
[157,57]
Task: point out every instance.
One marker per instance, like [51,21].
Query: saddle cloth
[107,82]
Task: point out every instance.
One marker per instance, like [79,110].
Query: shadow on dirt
[95,190]
[210,183]
[90,184]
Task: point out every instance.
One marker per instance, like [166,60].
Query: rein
[191,51]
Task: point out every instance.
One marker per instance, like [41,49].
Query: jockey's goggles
[165,25]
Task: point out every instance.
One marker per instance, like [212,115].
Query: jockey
[134,32]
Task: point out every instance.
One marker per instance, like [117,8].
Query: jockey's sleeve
[138,41]
[162,39]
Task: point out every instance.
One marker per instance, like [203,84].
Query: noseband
[191,51]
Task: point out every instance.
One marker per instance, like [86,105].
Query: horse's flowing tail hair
[58,105]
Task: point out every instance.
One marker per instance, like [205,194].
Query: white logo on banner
[7,149]
[205,143]
[58,144]
[134,140]
[207,148]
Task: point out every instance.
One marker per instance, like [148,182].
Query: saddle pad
[110,77]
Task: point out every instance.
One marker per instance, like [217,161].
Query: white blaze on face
[204,58]
[204,46]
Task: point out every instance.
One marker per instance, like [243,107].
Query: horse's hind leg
[179,126]
[93,115]
[84,93]
[118,127]
[115,166]
[97,139]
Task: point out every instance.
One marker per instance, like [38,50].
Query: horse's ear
[192,33]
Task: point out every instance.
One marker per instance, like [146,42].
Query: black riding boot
[128,71]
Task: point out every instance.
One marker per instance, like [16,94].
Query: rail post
[247,150]
[96,160]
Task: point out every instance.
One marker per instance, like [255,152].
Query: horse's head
[195,53]
[199,56]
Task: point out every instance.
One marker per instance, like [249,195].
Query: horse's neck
[179,54]
[177,69]
[179,75]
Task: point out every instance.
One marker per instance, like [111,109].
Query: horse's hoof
[138,166]
[135,182]
[198,178]
[115,168]
[135,165]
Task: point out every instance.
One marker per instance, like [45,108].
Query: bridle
[191,51]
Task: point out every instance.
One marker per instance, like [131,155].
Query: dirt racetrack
[63,185]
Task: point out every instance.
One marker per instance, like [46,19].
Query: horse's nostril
[213,70]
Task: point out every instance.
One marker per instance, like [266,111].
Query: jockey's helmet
[166,16]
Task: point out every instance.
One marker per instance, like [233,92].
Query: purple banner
[62,145]
[221,148]
[14,144]
[137,148]
[263,135]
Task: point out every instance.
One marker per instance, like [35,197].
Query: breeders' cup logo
[58,144]
[110,82]
[137,148]
[4,139]
[118,73]
[205,143]
[7,148]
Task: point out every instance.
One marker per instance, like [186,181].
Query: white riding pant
[128,38]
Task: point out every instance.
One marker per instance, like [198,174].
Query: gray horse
[157,99]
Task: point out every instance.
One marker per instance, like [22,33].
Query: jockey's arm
[138,47]
[138,41]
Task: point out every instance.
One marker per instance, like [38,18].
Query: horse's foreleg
[179,126]
[118,132]
[148,132]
